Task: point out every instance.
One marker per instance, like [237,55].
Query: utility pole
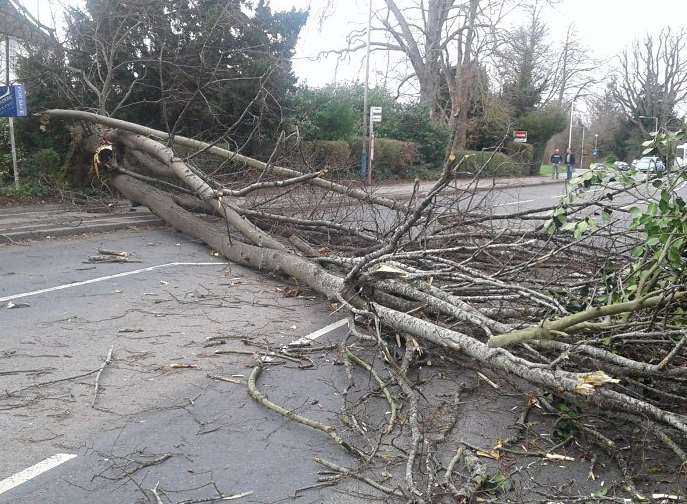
[582,150]
[11,119]
[364,157]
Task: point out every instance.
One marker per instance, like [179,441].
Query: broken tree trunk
[487,280]
[329,285]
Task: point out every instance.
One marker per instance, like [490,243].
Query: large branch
[225,154]
[330,285]
[182,171]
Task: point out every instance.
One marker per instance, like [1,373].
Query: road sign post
[12,104]
[520,136]
[375,117]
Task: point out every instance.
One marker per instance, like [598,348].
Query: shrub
[497,164]
[393,159]
[42,162]
[519,152]
[323,153]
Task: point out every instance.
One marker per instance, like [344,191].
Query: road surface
[156,421]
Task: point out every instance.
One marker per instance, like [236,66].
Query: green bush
[519,152]
[497,164]
[611,158]
[42,162]
[393,159]
[323,153]
[24,191]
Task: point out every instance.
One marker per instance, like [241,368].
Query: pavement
[50,221]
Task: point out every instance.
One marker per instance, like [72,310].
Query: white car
[650,164]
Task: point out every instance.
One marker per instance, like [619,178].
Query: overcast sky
[605,26]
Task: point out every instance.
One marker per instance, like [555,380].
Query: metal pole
[572,108]
[582,150]
[364,159]
[11,120]
[372,151]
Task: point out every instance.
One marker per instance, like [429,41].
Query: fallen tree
[443,272]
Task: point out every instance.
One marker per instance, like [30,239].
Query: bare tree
[574,69]
[443,42]
[651,79]
[524,62]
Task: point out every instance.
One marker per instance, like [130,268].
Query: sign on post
[13,101]
[520,136]
[375,114]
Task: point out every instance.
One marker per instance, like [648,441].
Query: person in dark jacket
[556,160]
[570,163]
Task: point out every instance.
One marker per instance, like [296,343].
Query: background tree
[524,63]
[219,69]
[651,79]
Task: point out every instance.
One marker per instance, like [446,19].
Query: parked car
[622,165]
[650,164]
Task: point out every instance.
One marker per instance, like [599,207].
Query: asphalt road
[155,423]
[147,409]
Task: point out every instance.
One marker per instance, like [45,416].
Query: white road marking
[108,277]
[640,202]
[319,333]
[514,203]
[33,471]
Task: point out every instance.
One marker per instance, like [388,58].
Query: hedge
[497,164]
[323,153]
[397,160]
[393,159]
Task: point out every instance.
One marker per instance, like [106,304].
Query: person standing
[556,160]
[570,163]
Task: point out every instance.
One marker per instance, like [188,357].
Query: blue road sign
[13,101]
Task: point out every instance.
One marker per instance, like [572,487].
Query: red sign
[520,136]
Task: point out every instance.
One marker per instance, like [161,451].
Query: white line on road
[33,471]
[319,333]
[639,202]
[514,203]
[108,277]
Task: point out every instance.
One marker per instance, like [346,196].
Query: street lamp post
[596,141]
[572,109]
[364,156]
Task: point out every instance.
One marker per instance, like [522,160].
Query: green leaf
[638,251]
[550,226]
[635,212]
[601,492]
[580,229]
[652,242]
